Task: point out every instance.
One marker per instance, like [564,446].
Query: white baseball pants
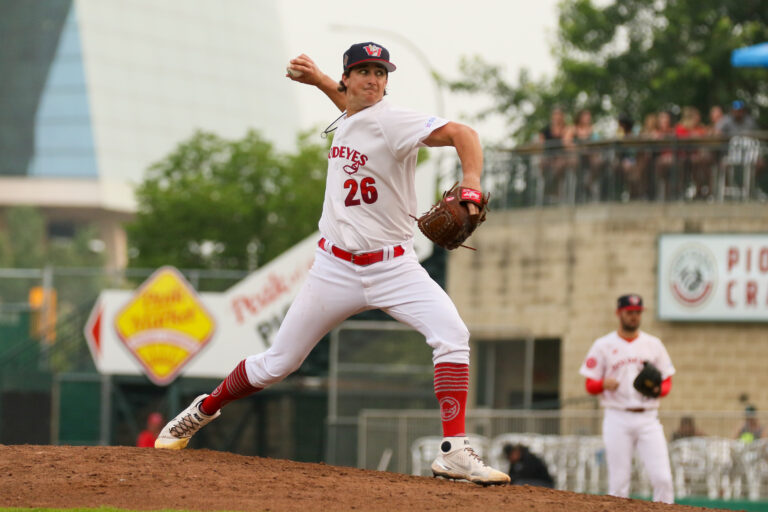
[336,289]
[623,431]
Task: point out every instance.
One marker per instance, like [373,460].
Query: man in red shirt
[147,437]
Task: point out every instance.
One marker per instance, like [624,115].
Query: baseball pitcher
[365,258]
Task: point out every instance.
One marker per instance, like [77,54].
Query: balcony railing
[632,169]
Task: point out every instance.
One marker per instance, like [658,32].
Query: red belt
[364,258]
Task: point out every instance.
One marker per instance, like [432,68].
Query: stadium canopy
[751,56]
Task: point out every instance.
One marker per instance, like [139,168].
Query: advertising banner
[165,328]
[713,277]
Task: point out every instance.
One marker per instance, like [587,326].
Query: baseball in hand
[295,73]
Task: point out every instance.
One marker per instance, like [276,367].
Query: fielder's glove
[449,223]
[648,381]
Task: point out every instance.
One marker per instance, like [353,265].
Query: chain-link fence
[42,316]
[381,364]
[43,311]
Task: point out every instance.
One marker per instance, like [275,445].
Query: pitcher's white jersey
[370,189]
[616,358]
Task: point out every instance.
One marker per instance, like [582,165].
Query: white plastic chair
[738,168]
[754,461]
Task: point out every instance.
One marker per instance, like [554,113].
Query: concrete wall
[556,272]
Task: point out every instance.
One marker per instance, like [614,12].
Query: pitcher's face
[365,86]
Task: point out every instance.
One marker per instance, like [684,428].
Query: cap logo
[634,300]
[372,50]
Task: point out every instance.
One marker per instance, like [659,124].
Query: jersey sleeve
[593,366]
[405,130]
[663,362]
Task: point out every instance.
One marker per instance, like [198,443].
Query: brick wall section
[556,272]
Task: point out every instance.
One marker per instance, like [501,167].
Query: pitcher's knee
[265,369]
[451,347]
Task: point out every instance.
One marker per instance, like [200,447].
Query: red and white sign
[713,277]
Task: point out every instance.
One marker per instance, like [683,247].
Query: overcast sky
[513,33]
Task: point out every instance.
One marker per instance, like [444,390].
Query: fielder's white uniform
[631,419]
[369,197]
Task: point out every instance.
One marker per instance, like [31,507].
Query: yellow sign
[164,325]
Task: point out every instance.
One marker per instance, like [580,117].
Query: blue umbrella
[751,57]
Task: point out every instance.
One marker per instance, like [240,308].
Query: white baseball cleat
[177,433]
[457,460]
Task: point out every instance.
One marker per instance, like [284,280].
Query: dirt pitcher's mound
[142,478]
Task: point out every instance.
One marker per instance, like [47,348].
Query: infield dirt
[148,479]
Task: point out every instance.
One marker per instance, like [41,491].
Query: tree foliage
[25,244]
[227,204]
[634,56]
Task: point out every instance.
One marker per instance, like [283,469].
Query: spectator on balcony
[588,161]
[525,468]
[650,129]
[690,124]
[554,162]
[737,121]
[715,115]
[582,129]
[553,135]
[637,178]
[687,428]
[667,176]
[666,126]
[751,429]
[696,161]
[630,161]
[625,126]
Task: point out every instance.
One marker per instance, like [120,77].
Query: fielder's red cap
[361,53]
[630,302]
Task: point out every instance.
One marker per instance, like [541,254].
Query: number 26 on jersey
[366,188]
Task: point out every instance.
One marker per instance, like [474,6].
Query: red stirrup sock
[451,386]
[235,386]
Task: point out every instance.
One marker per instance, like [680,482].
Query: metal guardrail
[676,169]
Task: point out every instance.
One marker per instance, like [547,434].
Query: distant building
[94,91]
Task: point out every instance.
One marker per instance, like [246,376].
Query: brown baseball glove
[449,223]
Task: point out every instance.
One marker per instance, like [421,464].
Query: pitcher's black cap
[367,52]
[630,302]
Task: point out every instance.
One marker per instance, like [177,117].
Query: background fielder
[631,419]
[365,258]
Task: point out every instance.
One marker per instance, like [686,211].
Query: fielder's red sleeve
[666,385]
[594,386]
